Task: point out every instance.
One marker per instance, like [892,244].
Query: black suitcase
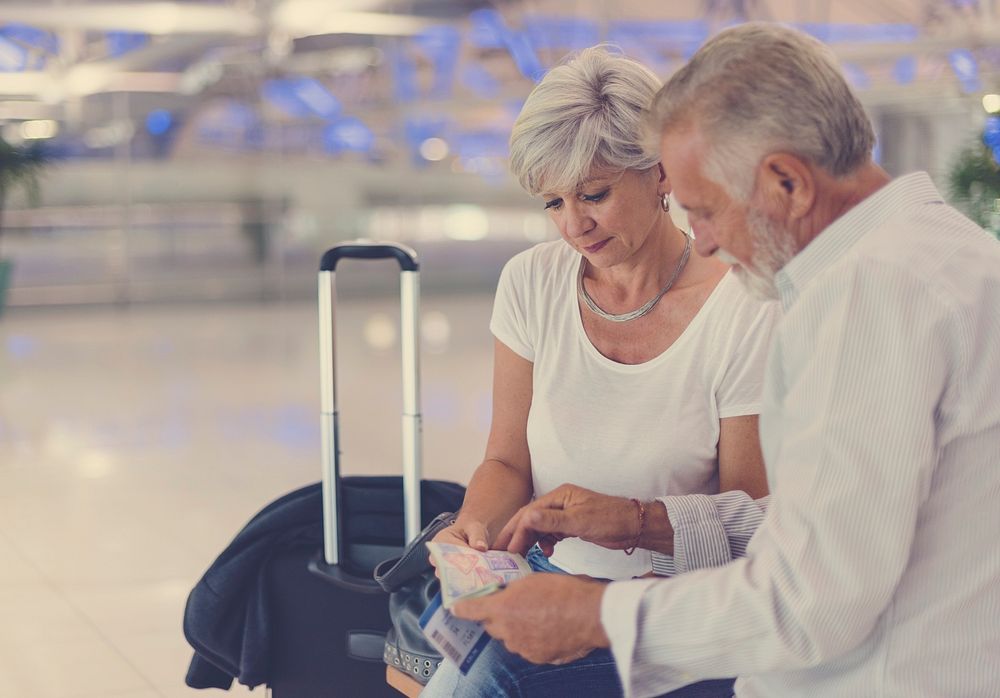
[328,634]
[330,616]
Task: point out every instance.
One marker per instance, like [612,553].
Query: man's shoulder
[934,245]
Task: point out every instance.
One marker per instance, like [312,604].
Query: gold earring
[665,202]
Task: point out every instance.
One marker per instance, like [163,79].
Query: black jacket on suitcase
[230,617]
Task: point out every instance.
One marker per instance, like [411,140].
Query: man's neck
[836,196]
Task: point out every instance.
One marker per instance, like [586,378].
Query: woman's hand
[469,533]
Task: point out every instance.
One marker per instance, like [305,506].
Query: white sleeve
[739,391]
[709,529]
[509,323]
[857,456]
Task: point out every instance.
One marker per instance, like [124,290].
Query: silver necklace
[649,305]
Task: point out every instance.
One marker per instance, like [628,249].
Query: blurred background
[170,173]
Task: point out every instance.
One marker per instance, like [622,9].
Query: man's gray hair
[587,112]
[761,88]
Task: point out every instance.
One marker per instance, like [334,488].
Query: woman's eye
[553,205]
[594,198]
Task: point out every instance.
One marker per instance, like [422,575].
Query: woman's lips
[596,247]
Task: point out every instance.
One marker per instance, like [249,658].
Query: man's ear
[788,184]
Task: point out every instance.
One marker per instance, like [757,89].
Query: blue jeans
[498,673]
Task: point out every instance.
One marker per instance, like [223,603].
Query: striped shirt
[875,569]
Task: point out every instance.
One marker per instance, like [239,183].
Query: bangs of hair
[585,115]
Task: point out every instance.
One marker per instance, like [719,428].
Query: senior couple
[855,316]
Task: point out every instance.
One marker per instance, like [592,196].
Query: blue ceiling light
[120,43]
[348,134]
[31,37]
[13,58]
[477,79]
[886,33]
[649,40]
[314,95]
[301,97]
[567,33]
[665,33]
[418,130]
[524,56]
[482,144]
[404,73]
[279,94]
[440,44]
[483,153]
[488,30]
[232,124]
[966,69]
[159,122]
[856,77]
[991,132]
[905,70]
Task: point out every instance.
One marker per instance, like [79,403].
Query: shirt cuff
[662,564]
[700,539]
[620,618]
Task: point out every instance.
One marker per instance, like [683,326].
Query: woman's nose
[576,222]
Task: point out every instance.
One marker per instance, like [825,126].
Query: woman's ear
[664,180]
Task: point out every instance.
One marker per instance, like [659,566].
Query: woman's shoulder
[743,311]
[734,294]
[543,259]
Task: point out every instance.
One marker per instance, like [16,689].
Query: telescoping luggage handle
[409,292]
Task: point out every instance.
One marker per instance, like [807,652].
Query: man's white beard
[773,248]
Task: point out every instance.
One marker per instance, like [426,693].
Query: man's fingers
[502,541]
[521,539]
[473,609]
[547,544]
[537,524]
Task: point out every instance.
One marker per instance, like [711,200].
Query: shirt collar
[834,240]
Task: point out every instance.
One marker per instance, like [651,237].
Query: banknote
[465,572]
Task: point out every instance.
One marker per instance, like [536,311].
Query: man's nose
[704,242]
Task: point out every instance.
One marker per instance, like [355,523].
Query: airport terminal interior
[171,173]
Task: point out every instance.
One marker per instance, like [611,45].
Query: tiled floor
[135,442]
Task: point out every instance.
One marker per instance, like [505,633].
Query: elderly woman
[623,364]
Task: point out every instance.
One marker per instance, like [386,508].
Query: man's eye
[554,204]
[594,198]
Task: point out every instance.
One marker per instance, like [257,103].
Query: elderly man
[874,569]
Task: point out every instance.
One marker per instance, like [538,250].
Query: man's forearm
[657,534]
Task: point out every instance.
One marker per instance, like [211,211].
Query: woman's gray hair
[761,88]
[587,112]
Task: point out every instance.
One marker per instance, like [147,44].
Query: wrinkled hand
[545,618]
[472,534]
[571,511]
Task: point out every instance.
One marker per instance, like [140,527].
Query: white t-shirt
[642,430]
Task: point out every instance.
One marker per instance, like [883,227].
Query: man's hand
[571,511]
[545,618]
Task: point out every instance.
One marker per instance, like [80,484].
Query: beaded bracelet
[642,525]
